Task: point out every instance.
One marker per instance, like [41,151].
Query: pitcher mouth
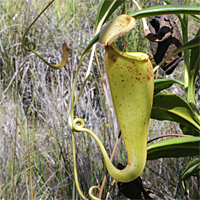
[138,56]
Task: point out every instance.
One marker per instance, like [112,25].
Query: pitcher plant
[131,81]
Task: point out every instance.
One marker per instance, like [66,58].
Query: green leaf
[195,59]
[103,7]
[174,108]
[161,84]
[92,42]
[193,69]
[189,131]
[174,147]
[166,9]
[197,18]
[192,168]
[194,43]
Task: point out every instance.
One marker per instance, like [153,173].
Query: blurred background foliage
[35,140]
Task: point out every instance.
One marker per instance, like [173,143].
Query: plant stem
[186,52]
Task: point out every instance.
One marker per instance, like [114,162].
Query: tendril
[91,194]
[78,124]
[31,46]
[24,36]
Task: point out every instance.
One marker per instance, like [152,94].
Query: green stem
[186,52]
[75,168]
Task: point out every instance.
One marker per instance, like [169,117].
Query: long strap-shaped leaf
[103,7]
[161,84]
[165,9]
[194,67]
[174,147]
[189,45]
[192,168]
[174,108]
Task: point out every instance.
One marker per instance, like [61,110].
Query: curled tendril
[91,192]
[78,124]
[31,44]
[65,48]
